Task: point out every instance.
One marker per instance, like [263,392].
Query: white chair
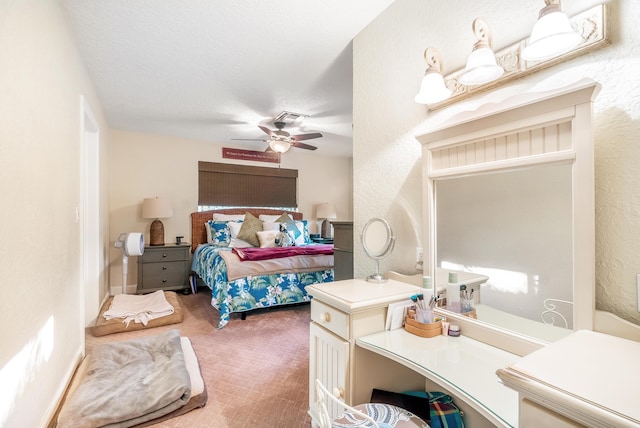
[368,415]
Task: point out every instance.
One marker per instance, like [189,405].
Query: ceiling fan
[280,141]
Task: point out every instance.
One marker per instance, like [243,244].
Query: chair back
[323,413]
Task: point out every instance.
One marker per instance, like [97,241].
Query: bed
[244,275]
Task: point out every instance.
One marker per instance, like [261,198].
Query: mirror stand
[377,277]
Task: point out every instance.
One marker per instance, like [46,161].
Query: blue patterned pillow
[219,232]
[291,225]
[305,232]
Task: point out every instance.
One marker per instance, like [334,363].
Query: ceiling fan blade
[302,137]
[266,131]
[303,146]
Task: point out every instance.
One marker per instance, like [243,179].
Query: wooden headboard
[198,219]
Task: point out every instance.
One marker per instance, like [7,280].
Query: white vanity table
[463,367]
[342,311]
[585,379]
[350,351]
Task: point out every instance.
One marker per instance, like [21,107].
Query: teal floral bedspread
[245,294]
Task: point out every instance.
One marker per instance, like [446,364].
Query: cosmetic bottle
[427,286]
[453,293]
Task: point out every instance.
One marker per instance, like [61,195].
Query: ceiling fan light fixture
[279,146]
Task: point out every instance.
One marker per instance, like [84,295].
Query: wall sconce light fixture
[432,88]
[551,35]
[552,41]
[481,65]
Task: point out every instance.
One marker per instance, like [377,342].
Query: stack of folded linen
[140,308]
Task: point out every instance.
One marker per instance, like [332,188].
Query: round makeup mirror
[377,241]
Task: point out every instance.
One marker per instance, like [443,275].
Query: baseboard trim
[131,289]
[51,415]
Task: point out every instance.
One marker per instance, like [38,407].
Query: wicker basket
[421,329]
[471,314]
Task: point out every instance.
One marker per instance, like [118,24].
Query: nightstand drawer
[164,274]
[330,318]
[164,254]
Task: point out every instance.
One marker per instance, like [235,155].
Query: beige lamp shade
[326,211]
[156,208]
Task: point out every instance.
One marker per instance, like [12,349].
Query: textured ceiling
[214,70]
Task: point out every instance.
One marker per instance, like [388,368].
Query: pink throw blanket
[253,253]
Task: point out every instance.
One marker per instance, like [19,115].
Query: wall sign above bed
[250,155]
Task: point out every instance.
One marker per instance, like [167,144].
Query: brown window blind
[229,185]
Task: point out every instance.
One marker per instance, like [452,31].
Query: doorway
[89,215]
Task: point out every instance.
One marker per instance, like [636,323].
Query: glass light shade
[156,208]
[481,68]
[432,89]
[279,146]
[551,36]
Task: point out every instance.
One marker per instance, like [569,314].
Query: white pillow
[269,225]
[271,218]
[234,227]
[267,238]
[228,217]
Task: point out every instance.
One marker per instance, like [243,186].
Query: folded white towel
[140,308]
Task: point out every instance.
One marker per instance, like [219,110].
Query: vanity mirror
[377,242]
[509,194]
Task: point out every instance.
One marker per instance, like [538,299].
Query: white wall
[146,165]
[388,67]
[42,79]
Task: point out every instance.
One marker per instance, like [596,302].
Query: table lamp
[325,211]
[156,208]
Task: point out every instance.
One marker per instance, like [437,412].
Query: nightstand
[319,240]
[164,267]
[342,250]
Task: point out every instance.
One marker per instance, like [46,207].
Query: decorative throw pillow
[267,238]
[250,226]
[304,238]
[291,225]
[284,238]
[234,227]
[218,233]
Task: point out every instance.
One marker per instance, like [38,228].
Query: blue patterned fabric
[305,232]
[252,292]
[220,233]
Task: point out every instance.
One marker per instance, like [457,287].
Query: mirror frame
[523,131]
[386,250]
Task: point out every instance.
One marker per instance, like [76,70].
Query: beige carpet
[256,370]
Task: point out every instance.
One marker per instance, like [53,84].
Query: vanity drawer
[330,318]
